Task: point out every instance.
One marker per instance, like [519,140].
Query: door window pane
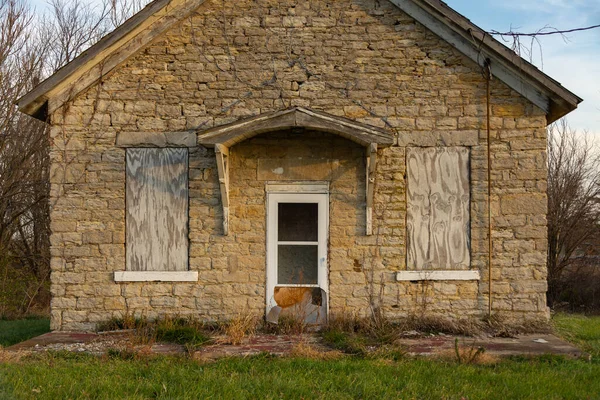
[298,222]
[297,265]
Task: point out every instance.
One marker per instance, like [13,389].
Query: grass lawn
[65,375]
[12,332]
[580,330]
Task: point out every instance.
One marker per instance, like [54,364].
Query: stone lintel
[404,276]
[439,138]
[156,139]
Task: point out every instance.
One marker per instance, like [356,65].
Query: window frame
[440,274]
[158,275]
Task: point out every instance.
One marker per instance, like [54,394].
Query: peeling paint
[278,171]
[286,297]
[307,303]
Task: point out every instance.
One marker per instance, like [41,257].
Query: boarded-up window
[157,209]
[438,208]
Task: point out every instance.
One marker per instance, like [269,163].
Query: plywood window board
[438,208]
[156,212]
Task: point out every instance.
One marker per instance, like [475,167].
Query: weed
[127,322]
[467,355]
[499,326]
[436,324]
[185,331]
[387,352]
[366,337]
[121,354]
[349,343]
[287,325]
[187,335]
[239,327]
[311,352]
[11,356]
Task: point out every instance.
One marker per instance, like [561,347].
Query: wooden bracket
[222,155]
[371,164]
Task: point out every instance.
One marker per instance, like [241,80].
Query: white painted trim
[273,199]
[298,187]
[156,276]
[438,276]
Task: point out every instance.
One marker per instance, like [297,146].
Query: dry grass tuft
[468,354]
[438,324]
[239,327]
[306,350]
[288,325]
[499,326]
[12,356]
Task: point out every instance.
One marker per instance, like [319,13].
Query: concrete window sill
[156,276]
[412,276]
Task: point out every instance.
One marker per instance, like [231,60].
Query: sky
[574,61]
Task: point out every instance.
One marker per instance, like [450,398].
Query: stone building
[307,158]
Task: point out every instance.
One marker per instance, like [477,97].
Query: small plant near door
[288,325]
[239,327]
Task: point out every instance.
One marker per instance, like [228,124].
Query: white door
[297,230]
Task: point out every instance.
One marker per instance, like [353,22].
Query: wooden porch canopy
[223,137]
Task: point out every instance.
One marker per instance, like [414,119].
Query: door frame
[314,192]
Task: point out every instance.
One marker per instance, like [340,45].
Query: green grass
[79,377]
[76,376]
[12,332]
[580,330]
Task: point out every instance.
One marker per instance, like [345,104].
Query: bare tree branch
[573,199]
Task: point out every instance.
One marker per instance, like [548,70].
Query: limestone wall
[364,60]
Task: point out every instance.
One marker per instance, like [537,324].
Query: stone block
[164,301]
[525,203]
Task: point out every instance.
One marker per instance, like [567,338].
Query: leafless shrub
[24,223]
[31,48]
[579,289]
[573,201]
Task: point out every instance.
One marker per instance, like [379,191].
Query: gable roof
[158,16]
[108,53]
[516,72]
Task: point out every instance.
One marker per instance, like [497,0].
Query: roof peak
[157,17]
